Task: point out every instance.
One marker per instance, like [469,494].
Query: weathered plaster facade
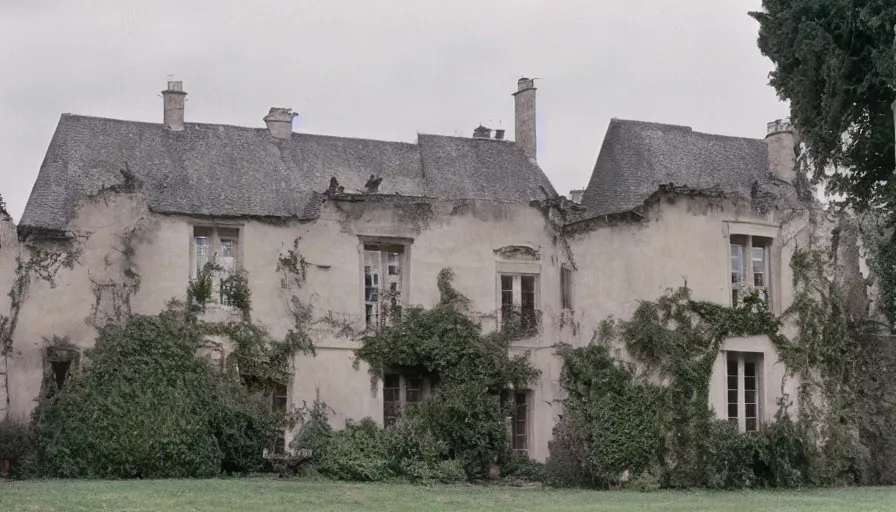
[675,237]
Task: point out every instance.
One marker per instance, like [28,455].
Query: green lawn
[277,495]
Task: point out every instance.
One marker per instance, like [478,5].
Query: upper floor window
[384,266]
[219,246]
[743,389]
[565,287]
[750,269]
[519,296]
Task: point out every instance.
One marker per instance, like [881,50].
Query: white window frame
[215,248]
[741,359]
[384,247]
[747,273]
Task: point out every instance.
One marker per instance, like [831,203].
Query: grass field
[281,495]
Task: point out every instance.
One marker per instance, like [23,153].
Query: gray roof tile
[220,170]
[637,157]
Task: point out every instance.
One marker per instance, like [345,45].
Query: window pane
[391,399]
[732,410]
[519,421]
[565,287]
[60,372]
[749,369]
[413,390]
[732,396]
[732,369]
[732,382]
[751,424]
[200,244]
[749,396]
[750,410]
[227,259]
[737,263]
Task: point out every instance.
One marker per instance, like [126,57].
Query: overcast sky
[383,69]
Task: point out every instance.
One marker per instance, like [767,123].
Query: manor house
[124,214]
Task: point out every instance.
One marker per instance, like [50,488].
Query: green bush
[450,472]
[414,452]
[474,371]
[15,445]
[147,407]
[520,466]
[312,438]
[728,456]
[357,453]
[565,466]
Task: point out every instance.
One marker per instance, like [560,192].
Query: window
[383,269]
[565,287]
[219,246]
[518,300]
[279,402]
[401,391]
[749,267]
[60,362]
[743,389]
[519,421]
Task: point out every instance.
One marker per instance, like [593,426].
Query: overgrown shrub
[147,407]
[15,445]
[565,466]
[522,467]
[357,453]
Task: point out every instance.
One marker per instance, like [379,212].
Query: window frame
[746,243]
[384,247]
[217,234]
[517,295]
[525,418]
[425,388]
[741,360]
[566,287]
[278,447]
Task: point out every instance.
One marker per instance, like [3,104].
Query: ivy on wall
[470,371]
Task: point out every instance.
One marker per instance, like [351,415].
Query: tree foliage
[834,62]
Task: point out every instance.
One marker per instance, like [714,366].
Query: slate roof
[637,157]
[230,171]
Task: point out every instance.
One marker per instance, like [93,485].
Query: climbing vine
[471,374]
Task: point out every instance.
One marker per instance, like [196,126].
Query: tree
[834,62]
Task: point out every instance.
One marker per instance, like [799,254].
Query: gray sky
[383,69]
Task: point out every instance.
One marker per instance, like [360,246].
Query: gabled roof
[230,171]
[636,158]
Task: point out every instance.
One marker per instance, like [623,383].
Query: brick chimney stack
[279,122]
[524,129]
[173,99]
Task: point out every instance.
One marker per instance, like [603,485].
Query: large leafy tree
[834,62]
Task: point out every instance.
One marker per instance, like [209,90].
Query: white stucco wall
[618,264]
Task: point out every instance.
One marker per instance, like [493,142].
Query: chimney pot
[499,134]
[481,132]
[279,122]
[173,99]
[576,195]
[524,116]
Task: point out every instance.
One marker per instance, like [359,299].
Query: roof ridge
[682,128]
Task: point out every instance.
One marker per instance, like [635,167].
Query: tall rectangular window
[279,402]
[565,287]
[520,423]
[743,390]
[219,246]
[519,298]
[749,267]
[383,270]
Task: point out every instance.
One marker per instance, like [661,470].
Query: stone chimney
[783,148]
[279,122]
[173,99]
[481,132]
[524,129]
[576,195]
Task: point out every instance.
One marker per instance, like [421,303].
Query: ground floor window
[743,375]
[519,422]
[401,391]
[279,401]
